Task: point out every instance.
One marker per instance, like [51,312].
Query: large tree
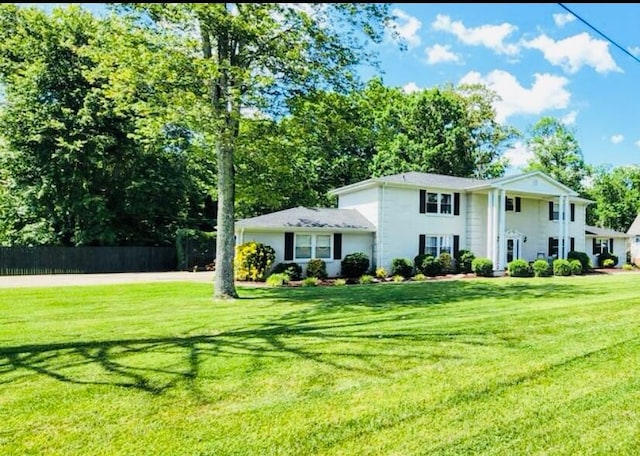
[256,55]
[616,195]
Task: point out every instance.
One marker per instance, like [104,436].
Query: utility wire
[600,33]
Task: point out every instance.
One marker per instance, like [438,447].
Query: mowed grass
[484,366]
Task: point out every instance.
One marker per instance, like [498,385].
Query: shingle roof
[635,226]
[310,217]
[432,180]
[597,231]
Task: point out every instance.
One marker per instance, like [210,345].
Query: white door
[514,248]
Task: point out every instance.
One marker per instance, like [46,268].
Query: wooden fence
[85,260]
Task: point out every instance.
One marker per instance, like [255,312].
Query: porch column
[561,221]
[502,238]
[567,218]
[490,226]
[496,228]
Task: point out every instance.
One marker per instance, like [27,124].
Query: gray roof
[635,226]
[309,217]
[432,180]
[597,231]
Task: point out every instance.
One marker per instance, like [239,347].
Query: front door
[513,249]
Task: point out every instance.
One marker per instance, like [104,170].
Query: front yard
[484,366]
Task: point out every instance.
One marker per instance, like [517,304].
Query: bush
[401,266]
[366,278]
[381,273]
[445,260]
[608,263]
[541,268]
[464,258]
[482,267]
[293,270]
[576,267]
[316,267]
[519,268]
[354,265]
[339,282]
[398,278]
[419,277]
[278,280]
[561,267]
[310,282]
[253,260]
[428,265]
[627,267]
[582,257]
[607,256]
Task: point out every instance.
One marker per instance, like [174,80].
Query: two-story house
[525,216]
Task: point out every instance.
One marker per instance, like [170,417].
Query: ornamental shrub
[576,267]
[293,270]
[445,260]
[381,273]
[483,267]
[310,282]
[253,260]
[354,265]
[607,256]
[430,266]
[584,259]
[278,280]
[464,258]
[317,268]
[401,266]
[519,268]
[608,263]
[627,267]
[541,268]
[561,267]
[365,278]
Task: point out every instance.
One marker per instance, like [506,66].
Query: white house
[524,216]
[605,240]
[633,234]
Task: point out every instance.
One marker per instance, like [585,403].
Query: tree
[557,153]
[616,192]
[255,55]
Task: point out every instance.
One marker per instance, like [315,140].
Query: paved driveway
[52,280]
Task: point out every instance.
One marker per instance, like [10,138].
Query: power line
[600,33]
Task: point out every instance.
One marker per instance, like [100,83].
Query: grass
[487,366]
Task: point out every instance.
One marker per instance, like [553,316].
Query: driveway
[52,280]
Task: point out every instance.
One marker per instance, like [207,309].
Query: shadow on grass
[342,327]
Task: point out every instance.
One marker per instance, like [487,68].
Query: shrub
[278,280]
[464,258]
[310,282]
[541,268]
[576,267]
[561,267]
[366,278]
[398,278]
[339,282]
[607,256]
[483,267]
[584,259]
[316,267]
[401,266]
[428,265]
[445,260]
[253,260]
[608,263]
[519,268]
[195,248]
[293,270]
[419,277]
[627,267]
[381,273]
[354,265]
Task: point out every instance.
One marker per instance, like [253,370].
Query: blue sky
[538,57]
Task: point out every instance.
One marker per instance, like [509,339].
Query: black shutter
[423,201]
[550,246]
[518,204]
[288,246]
[573,244]
[550,210]
[611,245]
[421,243]
[573,212]
[456,204]
[456,245]
[337,246]
[594,246]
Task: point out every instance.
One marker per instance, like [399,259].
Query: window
[509,204]
[553,247]
[309,246]
[555,212]
[637,239]
[435,245]
[439,203]
[600,245]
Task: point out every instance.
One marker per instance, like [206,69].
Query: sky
[542,59]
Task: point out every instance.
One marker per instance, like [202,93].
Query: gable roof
[309,217]
[608,232]
[635,226]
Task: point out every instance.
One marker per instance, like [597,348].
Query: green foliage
[381,273]
[339,282]
[582,257]
[576,267]
[601,258]
[519,268]
[398,278]
[446,263]
[277,280]
[616,192]
[464,259]
[482,267]
[627,267]
[608,263]
[354,265]
[541,268]
[191,245]
[419,277]
[317,267]
[293,270]
[401,266]
[430,266]
[561,267]
[366,278]
[310,281]
[253,261]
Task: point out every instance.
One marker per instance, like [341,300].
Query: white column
[502,217]
[560,227]
[496,228]
[490,227]
[567,218]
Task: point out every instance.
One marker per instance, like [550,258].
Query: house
[605,240]
[633,246]
[526,216]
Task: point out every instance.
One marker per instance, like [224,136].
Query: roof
[433,180]
[608,232]
[309,217]
[635,226]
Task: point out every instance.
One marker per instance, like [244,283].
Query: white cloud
[407,28]
[569,118]
[575,52]
[411,88]
[637,143]
[490,36]
[562,19]
[617,139]
[547,92]
[519,155]
[635,50]
[440,54]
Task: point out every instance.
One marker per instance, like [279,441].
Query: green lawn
[485,366]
